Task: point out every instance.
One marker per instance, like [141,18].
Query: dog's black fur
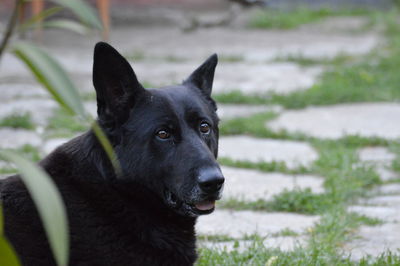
[166,141]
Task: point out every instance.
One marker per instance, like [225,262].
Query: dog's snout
[211,180]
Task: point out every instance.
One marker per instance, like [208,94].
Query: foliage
[16,120]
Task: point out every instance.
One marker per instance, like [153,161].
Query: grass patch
[215,238]
[283,19]
[373,78]
[298,200]
[63,124]
[301,60]
[135,56]
[273,166]
[17,121]
[255,125]
[231,58]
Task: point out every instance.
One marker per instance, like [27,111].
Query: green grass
[231,58]
[346,179]
[255,125]
[18,121]
[371,78]
[63,124]
[298,200]
[280,19]
[274,166]
[339,60]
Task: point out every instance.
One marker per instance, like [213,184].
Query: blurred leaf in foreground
[48,202]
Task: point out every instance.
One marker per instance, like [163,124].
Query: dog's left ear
[116,85]
[203,76]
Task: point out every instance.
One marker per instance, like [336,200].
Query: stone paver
[230,111]
[251,149]
[11,91]
[379,155]
[51,144]
[286,243]
[364,119]
[252,185]
[237,224]
[375,240]
[15,138]
[40,109]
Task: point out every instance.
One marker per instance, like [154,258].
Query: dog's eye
[163,134]
[204,128]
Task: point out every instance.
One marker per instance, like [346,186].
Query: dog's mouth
[192,209]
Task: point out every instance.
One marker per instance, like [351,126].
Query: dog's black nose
[211,180]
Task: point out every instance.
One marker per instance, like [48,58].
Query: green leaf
[7,256]
[66,24]
[33,21]
[48,202]
[52,76]
[83,11]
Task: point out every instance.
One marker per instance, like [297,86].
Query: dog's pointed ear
[115,83]
[203,76]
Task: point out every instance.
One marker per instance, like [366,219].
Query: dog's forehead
[179,98]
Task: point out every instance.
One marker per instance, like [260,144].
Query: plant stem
[10,27]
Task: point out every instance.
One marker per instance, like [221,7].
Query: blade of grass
[83,11]
[67,25]
[48,202]
[52,76]
[31,22]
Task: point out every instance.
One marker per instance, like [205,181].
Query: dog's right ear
[115,83]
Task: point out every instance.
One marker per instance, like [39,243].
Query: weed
[280,19]
[17,121]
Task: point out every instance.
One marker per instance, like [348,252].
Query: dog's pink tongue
[205,205]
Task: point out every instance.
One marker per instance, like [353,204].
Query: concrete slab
[40,109]
[375,240]
[241,223]
[378,155]
[332,122]
[384,213]
[251,149]
[11,91]
[252,185]
[51,144]
[15,138]
[230,111]
[286,243]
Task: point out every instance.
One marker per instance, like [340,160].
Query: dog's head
[164,138]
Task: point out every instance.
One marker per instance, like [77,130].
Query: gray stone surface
[285,243]
[11,91]
[389,189]
[380,212]
[251,149]
[40,109]
[364,119]
[15,138]
[251,185]
[52,144]
[375,240]
[386,174]
[378,155]
[230,111]
[240,223]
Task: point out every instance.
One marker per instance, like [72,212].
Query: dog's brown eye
[163,134]
[204,128]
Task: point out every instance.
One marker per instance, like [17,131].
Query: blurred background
[308,94]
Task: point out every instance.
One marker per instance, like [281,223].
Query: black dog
[166,141]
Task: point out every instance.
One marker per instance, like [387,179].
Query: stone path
[162,56]
[385,206]
[364,119]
